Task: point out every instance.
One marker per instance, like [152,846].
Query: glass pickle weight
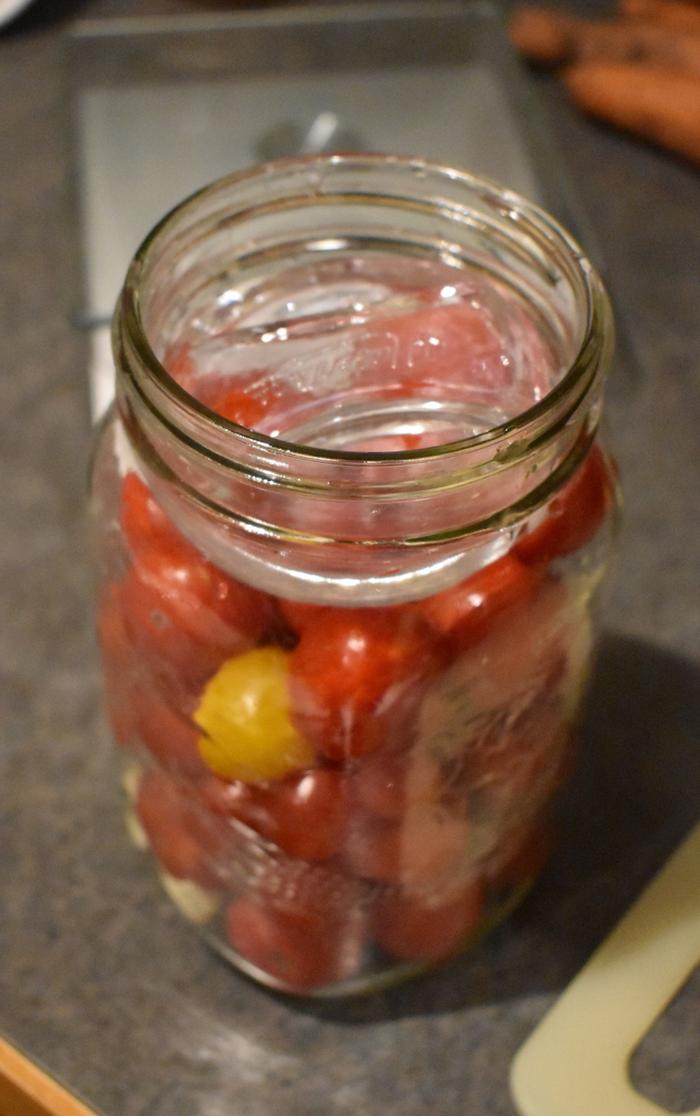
[351,513]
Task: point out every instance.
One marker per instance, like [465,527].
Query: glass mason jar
[351,513]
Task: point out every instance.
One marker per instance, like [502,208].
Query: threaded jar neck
[326,207]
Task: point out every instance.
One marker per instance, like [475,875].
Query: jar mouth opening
[524,216]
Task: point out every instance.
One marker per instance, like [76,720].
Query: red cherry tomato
[354,676]
[118,663]
[420,441]
[300,949]
[208,604]
[170,737]
[280,945]
[523,652]
[303,924]
[519,664]
[515,770]
[305,815]
[464,613]
[413,929]
[428,845]
[574,516]
[112,634]
[179,362]
[237,405]
[186,618]
[252,400]
[205,602]
[143,521]
[184,841]
[239,802]
[181,612]
[388,785]
[230,798]
[308,814]
[299,614]
[176,662]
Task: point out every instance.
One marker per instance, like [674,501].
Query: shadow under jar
[351,512]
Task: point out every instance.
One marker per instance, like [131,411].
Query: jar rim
[524,214]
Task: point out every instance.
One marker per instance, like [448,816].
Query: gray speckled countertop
[99,978]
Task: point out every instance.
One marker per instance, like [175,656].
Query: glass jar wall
[351,513]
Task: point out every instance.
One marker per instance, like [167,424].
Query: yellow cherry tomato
[244,712]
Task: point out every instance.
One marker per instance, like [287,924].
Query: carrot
[660,105]
[548,36]
[680,15]
[543,35]
[646,43]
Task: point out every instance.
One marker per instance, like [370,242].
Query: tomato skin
[208,604]
[429,844]
[244,713]
[305,815]
[184,843]
[184,618]
[518,768]
[117,663]
[144,524]
[112,632]
[388,785]
[299,949]
[179,363]
[464,613]
[299,614]
[173,658]
[252,400]
[413,929]
[203,601]
[170,737]
[236,405]
[304,925]
[531,640]
[523,653]
[230,798]
[354,676]
[573,516]
[308,814]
